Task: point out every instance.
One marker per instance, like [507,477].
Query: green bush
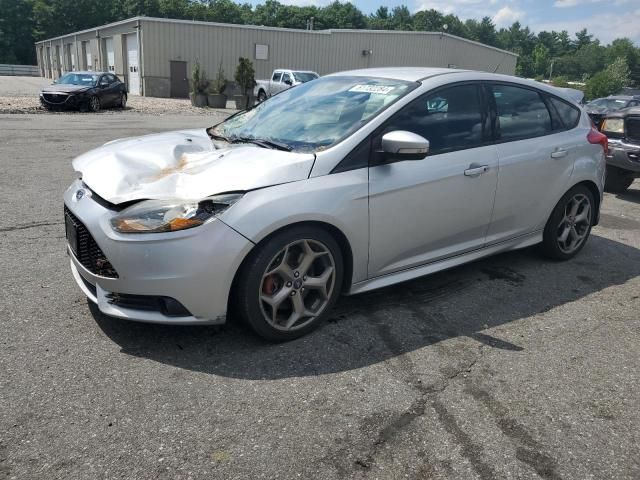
[610,80]
[561,81]
[199,82]
[219,84]
[245,75]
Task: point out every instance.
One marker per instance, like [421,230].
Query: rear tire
[289,283]
[261,96]
[569,225]
[617,180]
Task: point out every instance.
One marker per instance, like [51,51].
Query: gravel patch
[135,104]
[20,95]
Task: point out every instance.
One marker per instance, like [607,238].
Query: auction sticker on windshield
[382,89]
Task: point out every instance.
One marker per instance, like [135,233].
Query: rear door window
[276,76]
[521,113]
[568,113]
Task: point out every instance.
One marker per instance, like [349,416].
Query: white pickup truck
[281,79]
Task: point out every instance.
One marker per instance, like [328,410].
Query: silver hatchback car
[352,182]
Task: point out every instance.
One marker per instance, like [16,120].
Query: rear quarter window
[569,114]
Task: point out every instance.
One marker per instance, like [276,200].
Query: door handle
[474,170]
[559,153]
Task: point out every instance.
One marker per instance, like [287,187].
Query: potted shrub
[246,80]
[199,86]
[216,97]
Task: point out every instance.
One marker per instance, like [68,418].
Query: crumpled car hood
[186,165]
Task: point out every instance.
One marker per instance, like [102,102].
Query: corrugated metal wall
[325,52]
[322,51]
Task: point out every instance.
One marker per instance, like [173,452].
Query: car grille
[88,252]
[55,97]
[633,128]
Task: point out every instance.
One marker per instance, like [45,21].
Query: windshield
[608,103]
[78,79]
[314,115]
[304,76]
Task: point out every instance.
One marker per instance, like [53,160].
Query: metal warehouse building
[155,55]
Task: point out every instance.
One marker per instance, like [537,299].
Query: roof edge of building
[262,27]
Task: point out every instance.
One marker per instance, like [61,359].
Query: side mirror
[402,145]
[104,84]
[288,82]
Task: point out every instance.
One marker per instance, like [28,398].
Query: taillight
[596,137]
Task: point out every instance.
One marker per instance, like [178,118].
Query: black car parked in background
[622,128]
[85,91]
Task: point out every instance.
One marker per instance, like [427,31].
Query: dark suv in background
[622,127]
[599,108]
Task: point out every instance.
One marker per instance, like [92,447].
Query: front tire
[617,180]
[289,283]
[569,225]
[94,104]
[123,101]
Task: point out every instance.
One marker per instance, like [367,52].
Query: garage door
[111,58]
[133,73]
[86,51]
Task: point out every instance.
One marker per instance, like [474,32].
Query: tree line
[580,57]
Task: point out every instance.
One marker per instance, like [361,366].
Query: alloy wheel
[94,104]
[297,284]
[574,226]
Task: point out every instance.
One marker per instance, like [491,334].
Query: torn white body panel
[186,165]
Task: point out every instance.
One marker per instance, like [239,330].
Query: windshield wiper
[261,142]
[215,136]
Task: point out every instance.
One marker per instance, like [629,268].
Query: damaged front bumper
[174,278]
[63,100]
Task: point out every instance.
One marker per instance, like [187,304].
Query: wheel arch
[335,232]
[593,188]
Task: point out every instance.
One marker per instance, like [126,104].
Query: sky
[605,19]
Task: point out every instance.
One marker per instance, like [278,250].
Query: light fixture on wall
[366,53]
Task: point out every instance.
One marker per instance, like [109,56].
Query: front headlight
[613,125]
[158,216]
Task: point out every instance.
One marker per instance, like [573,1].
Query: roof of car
[416,74]
[618,97]
[87,72]
[409,74]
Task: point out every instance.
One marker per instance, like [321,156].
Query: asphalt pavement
[510,367]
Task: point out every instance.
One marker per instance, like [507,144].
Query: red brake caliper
[269,285]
